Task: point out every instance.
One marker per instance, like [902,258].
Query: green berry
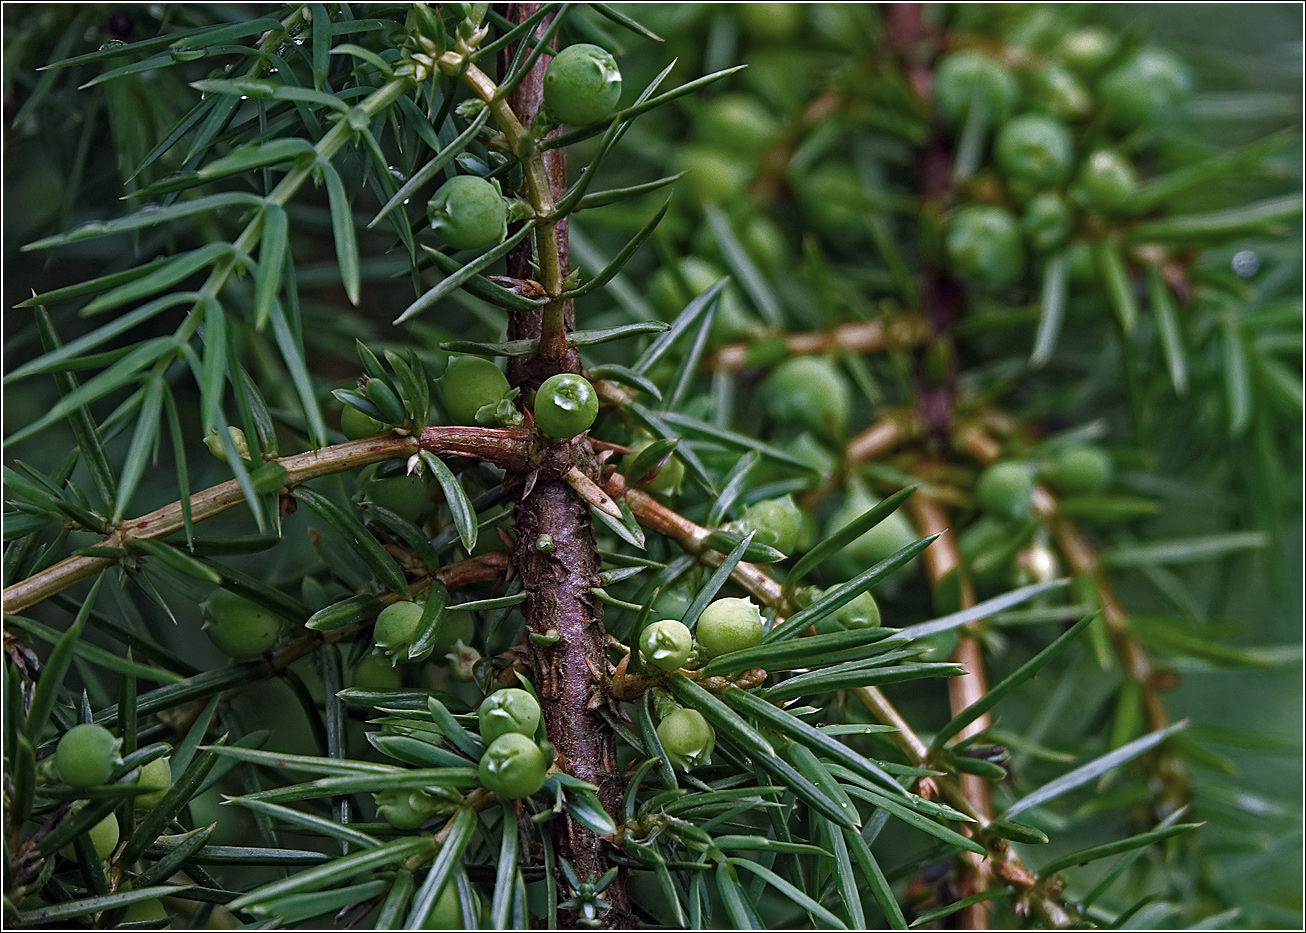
[104,838]
[149,911]
[770,22]
[396,628]
[405,809]
[404,495]
[809,392]
[763,239]
[674,602]
[86,755]
[1147,88]
[508,710]
[1107,182]
[1005,488]
[1085,469]
[355,424]
[1046,222]
[238,440]
[238,627]
[890,535]
[861,612]
[984,247]
[582,85]
[833,195]
[565,405]
[715,176]
[672,288]
[666,645]
[468,212]
[1035,149]
[1081,265]
[727,625]
[969,78]
[469,385]
[513,766]
[669,476]
[157,773]
[738,123]
[1087,50]
[376,673]
[687,738]
[457,626]
[447,914]
[777,523]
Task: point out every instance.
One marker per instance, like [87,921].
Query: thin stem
[907,330]
[964,796]
[506,447]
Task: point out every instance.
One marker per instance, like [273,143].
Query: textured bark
[525,101]
[557,559]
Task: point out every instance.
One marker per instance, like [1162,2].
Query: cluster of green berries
[86,756]
[1000,546]
[726,625]
[1050,144]
[513,765]
[582,86]
[476,392]
[1006,488]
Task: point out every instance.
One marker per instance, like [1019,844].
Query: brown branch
[906,330]
[206,503]
[942,560]
[1081,558]
[1004,862]
[556,554]
[508,448]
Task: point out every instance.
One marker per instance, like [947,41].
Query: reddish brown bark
[557,559]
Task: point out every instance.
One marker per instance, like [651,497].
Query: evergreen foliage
[932,559]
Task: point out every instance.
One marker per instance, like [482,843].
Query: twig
[502,446]
[906,330]
[1005,861]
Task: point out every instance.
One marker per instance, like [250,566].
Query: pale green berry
[513,766]
[666,645]
[508,710]
[727,625]
[687,738]
[157,773]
